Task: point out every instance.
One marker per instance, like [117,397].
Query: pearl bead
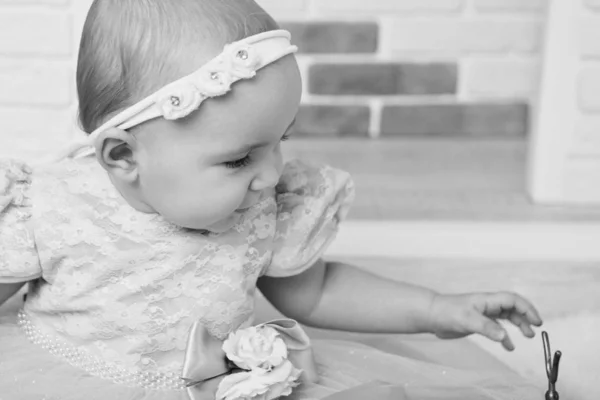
[95,366]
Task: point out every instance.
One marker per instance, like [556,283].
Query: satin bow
[205,363]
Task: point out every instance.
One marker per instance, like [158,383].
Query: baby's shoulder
[81,180]
[312,200]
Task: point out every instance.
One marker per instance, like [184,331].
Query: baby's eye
[285,137]
[241,163]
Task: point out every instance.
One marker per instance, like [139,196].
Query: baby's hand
[456,316]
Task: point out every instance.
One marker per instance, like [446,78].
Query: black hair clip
[551,368]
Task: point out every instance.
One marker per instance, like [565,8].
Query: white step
[519,241]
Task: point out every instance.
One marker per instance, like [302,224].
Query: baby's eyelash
[241,163]
[244,162]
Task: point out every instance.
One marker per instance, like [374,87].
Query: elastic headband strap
[239,60]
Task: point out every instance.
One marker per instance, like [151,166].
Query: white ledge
[471,240]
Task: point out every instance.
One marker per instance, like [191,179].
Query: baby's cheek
[207,207]
[228,198]
[197,201]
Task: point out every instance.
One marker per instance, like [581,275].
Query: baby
[143,261]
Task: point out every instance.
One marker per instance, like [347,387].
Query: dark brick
[334,37]
[457,120]
[326,120]
[383,79]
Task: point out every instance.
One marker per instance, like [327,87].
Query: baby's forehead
[254,108]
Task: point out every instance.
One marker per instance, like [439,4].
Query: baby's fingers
[522,323]
[514,303]
[491,329]
[526,309]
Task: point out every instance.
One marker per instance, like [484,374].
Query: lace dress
[113,292]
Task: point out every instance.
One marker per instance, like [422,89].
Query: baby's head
[203,170]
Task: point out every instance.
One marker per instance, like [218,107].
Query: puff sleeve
[311,202]
[19,261]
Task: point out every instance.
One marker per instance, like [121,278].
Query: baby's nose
[266,180]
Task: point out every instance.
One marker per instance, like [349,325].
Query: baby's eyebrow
[249,148]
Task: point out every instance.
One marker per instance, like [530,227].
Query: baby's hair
[131,48]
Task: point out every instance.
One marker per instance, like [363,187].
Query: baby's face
[203,171]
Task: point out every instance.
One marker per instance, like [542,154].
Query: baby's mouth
[246,208]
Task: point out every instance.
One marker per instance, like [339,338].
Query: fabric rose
[240,60]
[255,348]
[179,100]
[260,384]
[262,355]
[263,362]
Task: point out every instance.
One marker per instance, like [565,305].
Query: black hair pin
[551,368]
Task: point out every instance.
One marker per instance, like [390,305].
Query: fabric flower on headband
[214,82]
[263,362]
[178,100]
[241,60]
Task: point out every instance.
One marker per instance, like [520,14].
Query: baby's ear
[115,150]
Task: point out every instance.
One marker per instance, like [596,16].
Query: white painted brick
[79,9]
[589,35]
[454,36]
[30,133]
[25,83]
[285,8]
[27,2]
[510,5]
[35,33]
[589,89]
[501,77]
[399,6]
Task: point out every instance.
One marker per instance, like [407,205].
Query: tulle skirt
[28,372]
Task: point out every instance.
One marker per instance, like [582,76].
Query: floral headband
[239,60]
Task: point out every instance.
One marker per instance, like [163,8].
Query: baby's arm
[7,290]
[341,297]
[311,203]
[338,296]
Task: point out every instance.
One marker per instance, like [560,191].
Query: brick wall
[416,67]
[371,68]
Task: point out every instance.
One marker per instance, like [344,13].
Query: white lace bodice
[126,286]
